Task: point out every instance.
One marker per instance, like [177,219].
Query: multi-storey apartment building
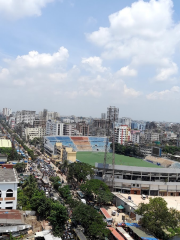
[83,128]
[151,136]
[122,134]
[54,128]
[7,111]
[12,121]
[25,116]
[32,133]
[135,136]
[69,129]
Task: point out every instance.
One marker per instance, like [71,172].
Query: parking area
[117,217]
[172,202]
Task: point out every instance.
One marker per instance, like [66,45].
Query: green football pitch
[93,157]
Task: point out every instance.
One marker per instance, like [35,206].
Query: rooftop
[8,175]
[14,217]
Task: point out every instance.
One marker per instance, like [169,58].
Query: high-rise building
[46,115]
[7,112]
[135,136]
[103,116]
[31,133]
[54,127]
[68,129]
[126,121]
[83,128]
[12,122]
[25,116]
[122,134]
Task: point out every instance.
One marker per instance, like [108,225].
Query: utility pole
[112,118]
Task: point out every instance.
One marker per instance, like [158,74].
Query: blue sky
[79,57]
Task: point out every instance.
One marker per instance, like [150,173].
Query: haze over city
[78,57]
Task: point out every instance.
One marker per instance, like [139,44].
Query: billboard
[156,151]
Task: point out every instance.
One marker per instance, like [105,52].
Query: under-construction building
[83,128]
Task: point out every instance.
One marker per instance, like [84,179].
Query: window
[8,208]
[137,185]
[9,193]
[9,202]
[0,193]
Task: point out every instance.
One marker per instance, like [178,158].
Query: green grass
[92,158]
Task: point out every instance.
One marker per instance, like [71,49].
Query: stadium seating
[98,143]
[79,143]
[82,143]
[65,140]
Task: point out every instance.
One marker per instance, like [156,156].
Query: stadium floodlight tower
[112,118]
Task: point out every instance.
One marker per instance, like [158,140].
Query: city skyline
[78,58]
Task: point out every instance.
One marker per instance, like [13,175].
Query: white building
[135,136]
[12,122]
[126,121]
[32,133]
[170,135]
[122,134]
[7,111]
[48,115]
[25,116]
[151,136]
[54,128]
[8,188]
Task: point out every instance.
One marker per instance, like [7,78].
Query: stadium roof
[138,169]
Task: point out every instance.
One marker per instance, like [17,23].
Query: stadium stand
[79,143]
[159,161]
[82,143]
[98,143]
[175,165]
[65,140]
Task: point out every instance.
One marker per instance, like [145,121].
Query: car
[113,213]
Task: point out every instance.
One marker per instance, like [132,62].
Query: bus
[79,235]
[123,233]
[114,234]
[106,216]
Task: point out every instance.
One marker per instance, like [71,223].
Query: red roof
[106,214]
[116,234]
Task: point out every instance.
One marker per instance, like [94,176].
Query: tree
[157,216]
[29,186]
[58,217]
[98,188]
[41,204]
[91,220]
[20,167]
[78,172]
[65,192]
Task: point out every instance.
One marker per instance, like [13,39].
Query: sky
[78,57]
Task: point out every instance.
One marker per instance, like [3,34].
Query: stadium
[152,176]
[78,144]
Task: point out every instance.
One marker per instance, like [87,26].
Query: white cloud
[35,59]
[142,34]
[22,8]
[126,71]
[93,64]
[171,94]
[165,73]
